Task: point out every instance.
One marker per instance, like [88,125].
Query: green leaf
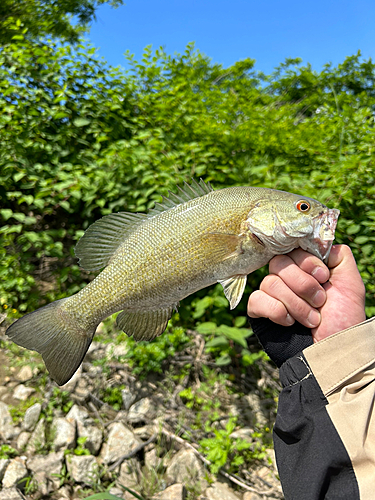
[81,122]
[218,342]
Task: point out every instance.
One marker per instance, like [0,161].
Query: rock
[86,428]
[7,429]
[83,468]
[65,492]
[25,374]
[245,433]
[22,440]
[11,494]
[128,473]
[120,442]
[116,351]
[71,384]
[37,440]
[22,392]
[64,434]
[152,460]
[253,403]
[174,492]
[15,473]
[141,411]
[31,417]
[220,491]
[45,469]
[251,496]
[186,468]
[128,398]
[3,391]
[3,465]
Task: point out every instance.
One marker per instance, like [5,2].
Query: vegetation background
[80,139]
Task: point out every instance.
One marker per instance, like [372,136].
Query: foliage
[80,140]
[48,18]
[145,357]
[224,450]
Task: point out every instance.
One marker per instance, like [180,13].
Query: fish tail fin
[53,333]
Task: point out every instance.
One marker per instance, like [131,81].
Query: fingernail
[289,320]
[319,298]
[320,274]
[313,318]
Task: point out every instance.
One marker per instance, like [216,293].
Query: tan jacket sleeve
[344,367]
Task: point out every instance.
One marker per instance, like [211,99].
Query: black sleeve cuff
[281,342]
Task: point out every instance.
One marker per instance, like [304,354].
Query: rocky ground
[108,430]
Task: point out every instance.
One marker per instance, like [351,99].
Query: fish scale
[151,262]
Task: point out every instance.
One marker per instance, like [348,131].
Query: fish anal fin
[103,238]
[234,288]
[222,246]
[145,325]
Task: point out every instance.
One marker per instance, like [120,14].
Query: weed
[7,451]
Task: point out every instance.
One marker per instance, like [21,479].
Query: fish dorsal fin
[186,193]
[103,238]
[233,288]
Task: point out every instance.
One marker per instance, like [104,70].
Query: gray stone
[45,468]
[31,417]
[116,351]
[64,492]
[120,442]
[141,411]
[15,473]
[128,398]
[152,461]
[86,428]
[128,473]
[11,494]
[251,496]
[22,392]
[37,440]
[7,429]
[220,491]
[72,383]
[25,374]
[245,433]
[83,468]
[3,465]
[186,468]
[64,434]
[174,492]
[256,415]
[22,440]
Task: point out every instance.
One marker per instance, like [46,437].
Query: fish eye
[303,206]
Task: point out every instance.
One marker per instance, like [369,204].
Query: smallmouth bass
[149,263]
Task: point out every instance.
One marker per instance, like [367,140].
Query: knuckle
[270,283]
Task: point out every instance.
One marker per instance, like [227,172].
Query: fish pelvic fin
[145,325]
[234,288]
[54,335]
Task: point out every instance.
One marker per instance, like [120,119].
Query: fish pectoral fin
[222,246]
[233,288]
[61,343]
[144,325]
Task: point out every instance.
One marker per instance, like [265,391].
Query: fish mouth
[320,242]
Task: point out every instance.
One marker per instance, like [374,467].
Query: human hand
[300,287]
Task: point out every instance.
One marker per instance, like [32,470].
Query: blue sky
[227,31]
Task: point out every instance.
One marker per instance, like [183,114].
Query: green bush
[80,139]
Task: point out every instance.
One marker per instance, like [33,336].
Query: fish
[149,262]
